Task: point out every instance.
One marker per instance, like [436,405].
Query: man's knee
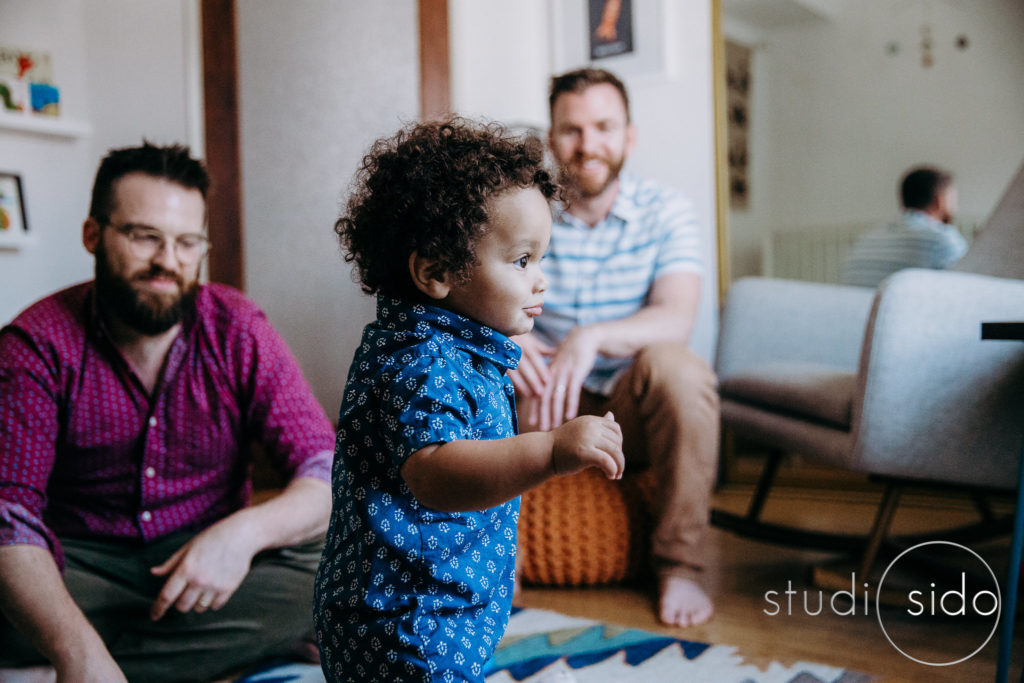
[674,371]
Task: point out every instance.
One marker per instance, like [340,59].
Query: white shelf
[45,125]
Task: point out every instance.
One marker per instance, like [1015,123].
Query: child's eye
[523,261]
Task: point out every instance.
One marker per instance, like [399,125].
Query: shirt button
[152,421]
[146,516]
[150,472]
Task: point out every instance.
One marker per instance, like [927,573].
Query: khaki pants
[270,612]
[667,405]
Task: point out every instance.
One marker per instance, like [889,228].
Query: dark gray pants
[266,617]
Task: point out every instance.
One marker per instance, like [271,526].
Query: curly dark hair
[426,189]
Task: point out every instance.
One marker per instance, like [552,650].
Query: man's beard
[149,314]
[588,189]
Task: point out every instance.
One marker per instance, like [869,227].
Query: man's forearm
[298,514]
[626,337]
[33,598]
[669,317]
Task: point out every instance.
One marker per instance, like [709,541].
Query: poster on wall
[13,224]
[628,37]
[26,82]
[611,28]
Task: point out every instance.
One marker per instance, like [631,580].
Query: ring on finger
[560,389]
[205,602]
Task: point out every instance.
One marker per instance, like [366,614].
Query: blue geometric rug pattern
[539,643]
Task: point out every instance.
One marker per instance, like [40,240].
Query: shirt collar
[918,217]
[624,208]
[424,321]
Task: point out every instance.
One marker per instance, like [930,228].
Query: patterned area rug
[541,645]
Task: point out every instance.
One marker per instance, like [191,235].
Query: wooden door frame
[221,119]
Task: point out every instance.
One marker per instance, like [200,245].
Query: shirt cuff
[316,467]
[18,526]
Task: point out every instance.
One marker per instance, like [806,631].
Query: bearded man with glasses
[128,405]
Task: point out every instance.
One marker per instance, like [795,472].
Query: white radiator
[815,255]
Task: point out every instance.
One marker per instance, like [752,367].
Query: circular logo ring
[878,602]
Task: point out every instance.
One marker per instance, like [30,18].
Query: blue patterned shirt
[605,272]
[405,592]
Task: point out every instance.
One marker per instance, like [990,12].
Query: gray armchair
[893,382]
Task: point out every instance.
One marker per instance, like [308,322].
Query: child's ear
[428,276]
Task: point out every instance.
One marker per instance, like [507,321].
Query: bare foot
[32,674]
[682,602]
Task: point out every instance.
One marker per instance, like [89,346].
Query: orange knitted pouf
[584,529]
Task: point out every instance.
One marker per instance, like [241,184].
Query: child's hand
[589,441]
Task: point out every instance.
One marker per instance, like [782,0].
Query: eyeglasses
[145,243]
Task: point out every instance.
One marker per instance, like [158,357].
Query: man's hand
[589,441]
[205,572]
[571,363]
[532,377]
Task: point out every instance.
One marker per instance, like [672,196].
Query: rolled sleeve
[18,526]
[316,467]
[283,415]
[28,432]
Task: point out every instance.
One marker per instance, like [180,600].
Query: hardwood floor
[741,571]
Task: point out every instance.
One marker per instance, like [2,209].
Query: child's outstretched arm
[460,476]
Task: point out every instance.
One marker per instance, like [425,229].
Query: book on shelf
[27,85]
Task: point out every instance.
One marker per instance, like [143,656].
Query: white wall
[502,58]
[319,81]
[124,69]
[837,119]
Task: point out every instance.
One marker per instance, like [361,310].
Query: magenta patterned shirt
[85,451]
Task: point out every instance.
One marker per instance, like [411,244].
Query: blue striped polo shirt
[916,240]
[605,272]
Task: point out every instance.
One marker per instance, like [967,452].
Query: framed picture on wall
[13,223]
[627,37]
[611,28]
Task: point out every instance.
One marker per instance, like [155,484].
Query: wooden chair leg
[764,484]
[880,528]
[983,507]
[726,457]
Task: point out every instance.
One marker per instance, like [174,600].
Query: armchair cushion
[813,391]
[770,321]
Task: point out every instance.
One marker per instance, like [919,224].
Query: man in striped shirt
[923,237]
[625,275]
